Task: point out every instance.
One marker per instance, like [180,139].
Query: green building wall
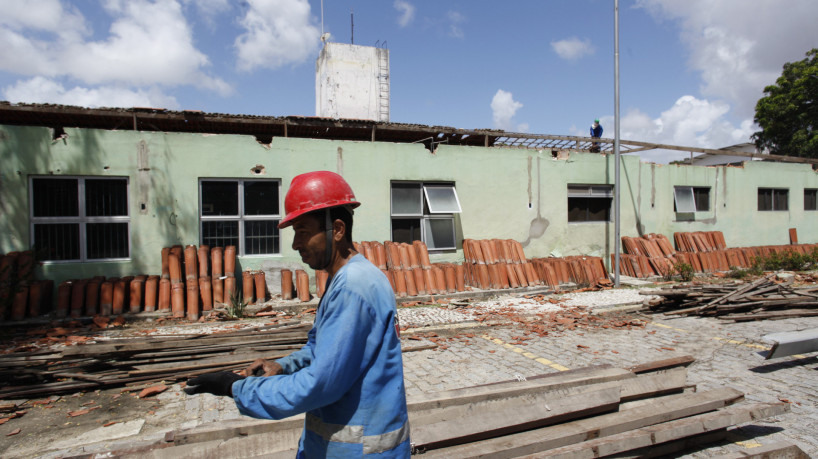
[505,193]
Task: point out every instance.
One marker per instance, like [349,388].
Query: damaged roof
[264,128]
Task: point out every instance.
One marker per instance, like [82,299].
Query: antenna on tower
[322,18]
[352,26]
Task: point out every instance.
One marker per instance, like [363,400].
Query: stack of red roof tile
[700,241]
[579,269]
[498,264]
[646,256]
[409,270]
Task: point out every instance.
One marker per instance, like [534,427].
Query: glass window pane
[261,237]
[57,241]
[106,240]
[683,196]
[406,230]
[261,198]
[406,199]
[579,190]
[701,196]
[599,210]
[106,198]
[765,199]
[220,198]
[781,200]
[55,197]
[810,199]
[439,233]
[220,233]
[442,199]
[577,209]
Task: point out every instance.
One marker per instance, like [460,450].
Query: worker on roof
[596,132]
[348,378]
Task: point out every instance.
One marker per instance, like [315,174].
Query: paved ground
[475,350]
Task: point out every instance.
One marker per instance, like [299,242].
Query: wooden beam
[790,343]
[675,407]
[665,432]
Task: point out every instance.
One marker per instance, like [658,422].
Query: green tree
[788,113]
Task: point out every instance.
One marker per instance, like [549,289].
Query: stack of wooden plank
[144,360]
[764,298]
[588,412]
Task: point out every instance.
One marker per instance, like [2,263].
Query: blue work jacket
[348,378]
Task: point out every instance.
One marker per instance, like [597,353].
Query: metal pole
[616,143]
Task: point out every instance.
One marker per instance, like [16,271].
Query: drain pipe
[616,144]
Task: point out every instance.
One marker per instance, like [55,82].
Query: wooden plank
[664,364]
[657,434]
[500,417]
[158,345]
[789,343]
[424,404]
[771,315]
[674,407]
[561,380]
[660,382]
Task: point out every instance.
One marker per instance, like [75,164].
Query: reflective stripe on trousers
[355,434]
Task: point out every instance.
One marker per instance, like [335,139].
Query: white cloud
[572,48]
[689,122]
[455,20]
[740,46]
[278,32]
[503,108]
[210,10]
[44,90]
[407,12]
[149,43]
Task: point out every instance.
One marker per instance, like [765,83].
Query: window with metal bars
[773,199]
[589,203]
[243,213]
[80,218]
[424,211]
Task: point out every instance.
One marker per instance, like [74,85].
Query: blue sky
[691,71]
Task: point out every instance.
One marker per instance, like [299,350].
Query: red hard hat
[314,191]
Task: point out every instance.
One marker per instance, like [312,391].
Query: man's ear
[339,230]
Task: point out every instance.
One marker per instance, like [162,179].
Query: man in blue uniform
[348,378]
[596,132]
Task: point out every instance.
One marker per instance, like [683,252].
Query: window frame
[694,198]
[593,192]
[241,217]
[81,219]
[426,214]
[773,193]
[814,198]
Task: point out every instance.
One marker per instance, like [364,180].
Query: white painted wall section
[352,81]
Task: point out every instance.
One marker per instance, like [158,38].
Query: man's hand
[263,367]
[218,383]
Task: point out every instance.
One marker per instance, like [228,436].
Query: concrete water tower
[352,81]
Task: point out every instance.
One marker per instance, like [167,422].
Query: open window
[589,203]
[773,199]
[80,218]
[243,213]
[689,199]
[424,211]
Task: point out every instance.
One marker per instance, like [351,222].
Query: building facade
[100,191]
